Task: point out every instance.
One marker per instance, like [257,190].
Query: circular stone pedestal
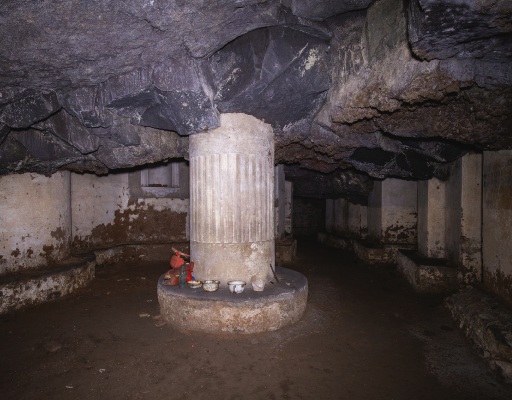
[280,304]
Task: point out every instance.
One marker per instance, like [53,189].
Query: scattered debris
[52,346]
[160,323]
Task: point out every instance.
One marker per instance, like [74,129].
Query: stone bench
[488,324]
[34,287]
[428,275]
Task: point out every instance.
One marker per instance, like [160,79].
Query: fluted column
[231,200]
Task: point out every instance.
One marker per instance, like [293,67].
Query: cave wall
[35,221]
[497,222]
[106,213]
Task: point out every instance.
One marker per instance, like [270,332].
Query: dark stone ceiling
[355,90]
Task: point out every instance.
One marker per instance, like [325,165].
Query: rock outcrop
[355,90]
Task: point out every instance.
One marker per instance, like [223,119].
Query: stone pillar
[340,216]
[288,207]
[463,230]
[375,213]
[357,222]
[329,215]
[280,200]
[392,212]
[232,200]
[431,218]
[497,223]
[35,221]
[336,215]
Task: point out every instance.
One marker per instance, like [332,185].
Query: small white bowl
[195,284]
[236,286]
[211,285]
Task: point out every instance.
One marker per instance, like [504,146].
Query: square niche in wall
[169,179]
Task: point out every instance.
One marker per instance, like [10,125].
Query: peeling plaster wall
[463,232]
[497,223]
[35,221]
[106,213]
[431,218]
[392,212]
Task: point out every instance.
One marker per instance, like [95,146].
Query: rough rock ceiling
[355,89]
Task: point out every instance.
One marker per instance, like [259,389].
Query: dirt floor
[364,335]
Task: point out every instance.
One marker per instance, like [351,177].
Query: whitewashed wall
[35,220]
[106,212]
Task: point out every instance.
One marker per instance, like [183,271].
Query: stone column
[280,200]
[392,212]
[357,222]
[497,223]
[329,215]
[231,201]
[340,216]
[431,218]
[374,213]
[288,214]
[463,229]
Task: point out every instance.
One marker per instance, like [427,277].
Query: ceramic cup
[236,286]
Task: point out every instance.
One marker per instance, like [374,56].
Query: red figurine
[178,260]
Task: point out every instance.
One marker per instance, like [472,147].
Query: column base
[280,304]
